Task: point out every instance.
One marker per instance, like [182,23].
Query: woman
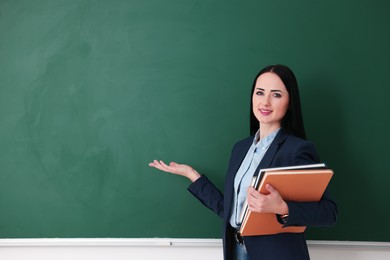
[278,139]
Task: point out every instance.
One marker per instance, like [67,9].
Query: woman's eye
[277,95]
[259,93]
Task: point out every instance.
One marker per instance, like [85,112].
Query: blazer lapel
[270,154]
[240,155]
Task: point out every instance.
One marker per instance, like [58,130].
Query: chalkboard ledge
[168,242]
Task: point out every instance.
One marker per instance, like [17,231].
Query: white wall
[172,249]
[338,250]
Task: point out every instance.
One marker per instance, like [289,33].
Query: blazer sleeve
[207,193]
[316,214]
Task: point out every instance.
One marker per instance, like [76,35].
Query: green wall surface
[92,91]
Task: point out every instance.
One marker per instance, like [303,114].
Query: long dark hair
[292,122]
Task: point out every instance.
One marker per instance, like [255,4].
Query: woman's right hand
[176,168]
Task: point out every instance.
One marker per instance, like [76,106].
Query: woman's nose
[265,100]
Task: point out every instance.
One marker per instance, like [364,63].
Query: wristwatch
[284,218]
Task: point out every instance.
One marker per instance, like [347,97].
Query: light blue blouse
[245,174]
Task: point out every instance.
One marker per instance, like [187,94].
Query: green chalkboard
[92,91]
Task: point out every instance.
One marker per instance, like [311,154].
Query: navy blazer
[285,150]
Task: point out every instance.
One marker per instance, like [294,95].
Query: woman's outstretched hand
[176,168]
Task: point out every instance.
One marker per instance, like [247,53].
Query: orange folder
[305,185]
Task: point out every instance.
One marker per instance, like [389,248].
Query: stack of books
[304,183]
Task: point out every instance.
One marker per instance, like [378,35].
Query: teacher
[277,139]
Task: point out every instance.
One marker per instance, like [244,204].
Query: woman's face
[270,100]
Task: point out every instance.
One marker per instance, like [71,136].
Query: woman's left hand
[270,203]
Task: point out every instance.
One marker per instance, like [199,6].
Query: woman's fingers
[161,166]
[176,168]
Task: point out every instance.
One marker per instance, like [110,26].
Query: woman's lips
[265,112]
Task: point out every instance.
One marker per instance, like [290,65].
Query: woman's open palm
[176,168]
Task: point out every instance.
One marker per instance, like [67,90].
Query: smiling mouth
[265,112]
